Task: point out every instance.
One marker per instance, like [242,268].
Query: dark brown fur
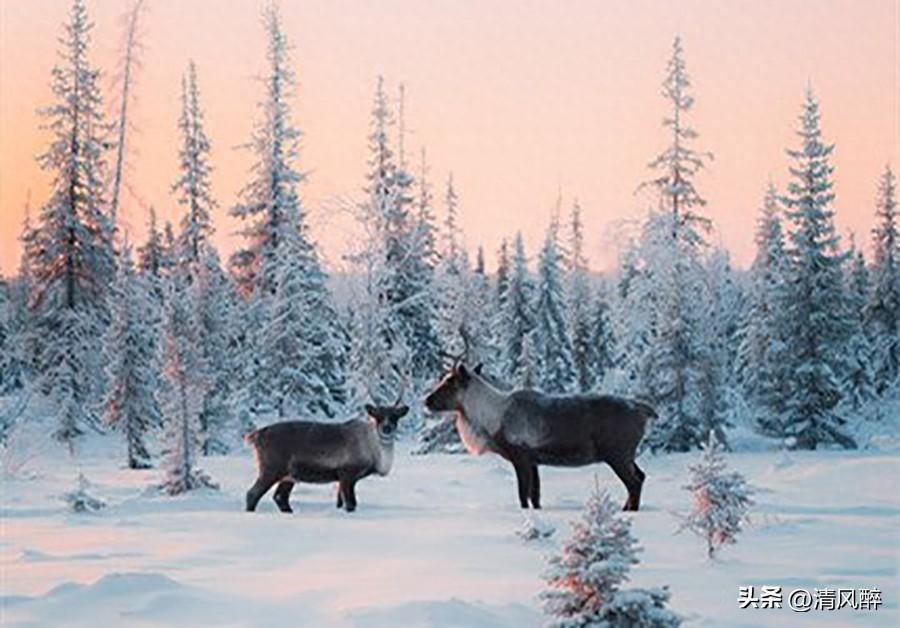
[306,451]
[531,429]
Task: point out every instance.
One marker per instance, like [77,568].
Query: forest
[803,346]
[177,352]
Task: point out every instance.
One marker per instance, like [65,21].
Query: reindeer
[529,429]
[319,453]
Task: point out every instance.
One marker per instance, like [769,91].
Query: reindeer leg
[282,495]
[535,487]
[263,483]
[340,496]
[641,476]
[632,482]
[348,488]
[523,478]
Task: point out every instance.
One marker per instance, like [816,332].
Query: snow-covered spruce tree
[581,332]
[424,339]
[818,323]
[215,307]
[517,316]
[721,499]
[453,275]
[631,322]
[883,310]
[556,367]
[253,400]
[678,370]
[722,333]
[72,257]
[274,216]
[153,264]
[169,248]
[182,389]
[270,203]
[407,284]
[601,340]
[132,365]
[761,364]
[302,342]
[379,351]
[193,186]
[6,351]
[585,580]
[80,500]
[18,356]
[483,347]
[859,356]
[501,282]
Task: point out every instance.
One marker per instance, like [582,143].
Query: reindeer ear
[402,410]
[370,410]
[462,372]
[478,368]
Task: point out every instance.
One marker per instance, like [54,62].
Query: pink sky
[517,98]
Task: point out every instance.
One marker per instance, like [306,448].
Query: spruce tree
[483,346]
[762,361]
[581,332]
[721,499]
[585,580]
[182,389]
[274,217]
[379,350]
[601,342]
[814,306]
[453,275]
[132,366]
[215,309]
[883,310]
[193,186]
[20,354]
[859,355]
[269,204]
[517,315]
[424,340]
[301,351]
[72,257]
[556,368]
[676,367]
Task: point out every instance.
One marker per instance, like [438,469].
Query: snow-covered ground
[433,544]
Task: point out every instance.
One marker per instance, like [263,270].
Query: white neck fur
[383,449]
[483,405]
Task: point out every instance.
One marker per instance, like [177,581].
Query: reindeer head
[447,395]
[386,418]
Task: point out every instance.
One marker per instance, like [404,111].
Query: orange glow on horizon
[517,99]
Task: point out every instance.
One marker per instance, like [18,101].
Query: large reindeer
[320,453]
[529,429]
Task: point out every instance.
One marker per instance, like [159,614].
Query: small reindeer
[318,453]
[529,429]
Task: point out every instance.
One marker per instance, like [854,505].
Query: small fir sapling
[535,529]
[80,500]
[721,499]
[585,579]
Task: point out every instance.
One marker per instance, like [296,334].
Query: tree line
[803,345]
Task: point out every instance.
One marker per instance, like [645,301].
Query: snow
[433,544]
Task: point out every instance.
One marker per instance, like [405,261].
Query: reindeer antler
[464,334]
[403,374]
